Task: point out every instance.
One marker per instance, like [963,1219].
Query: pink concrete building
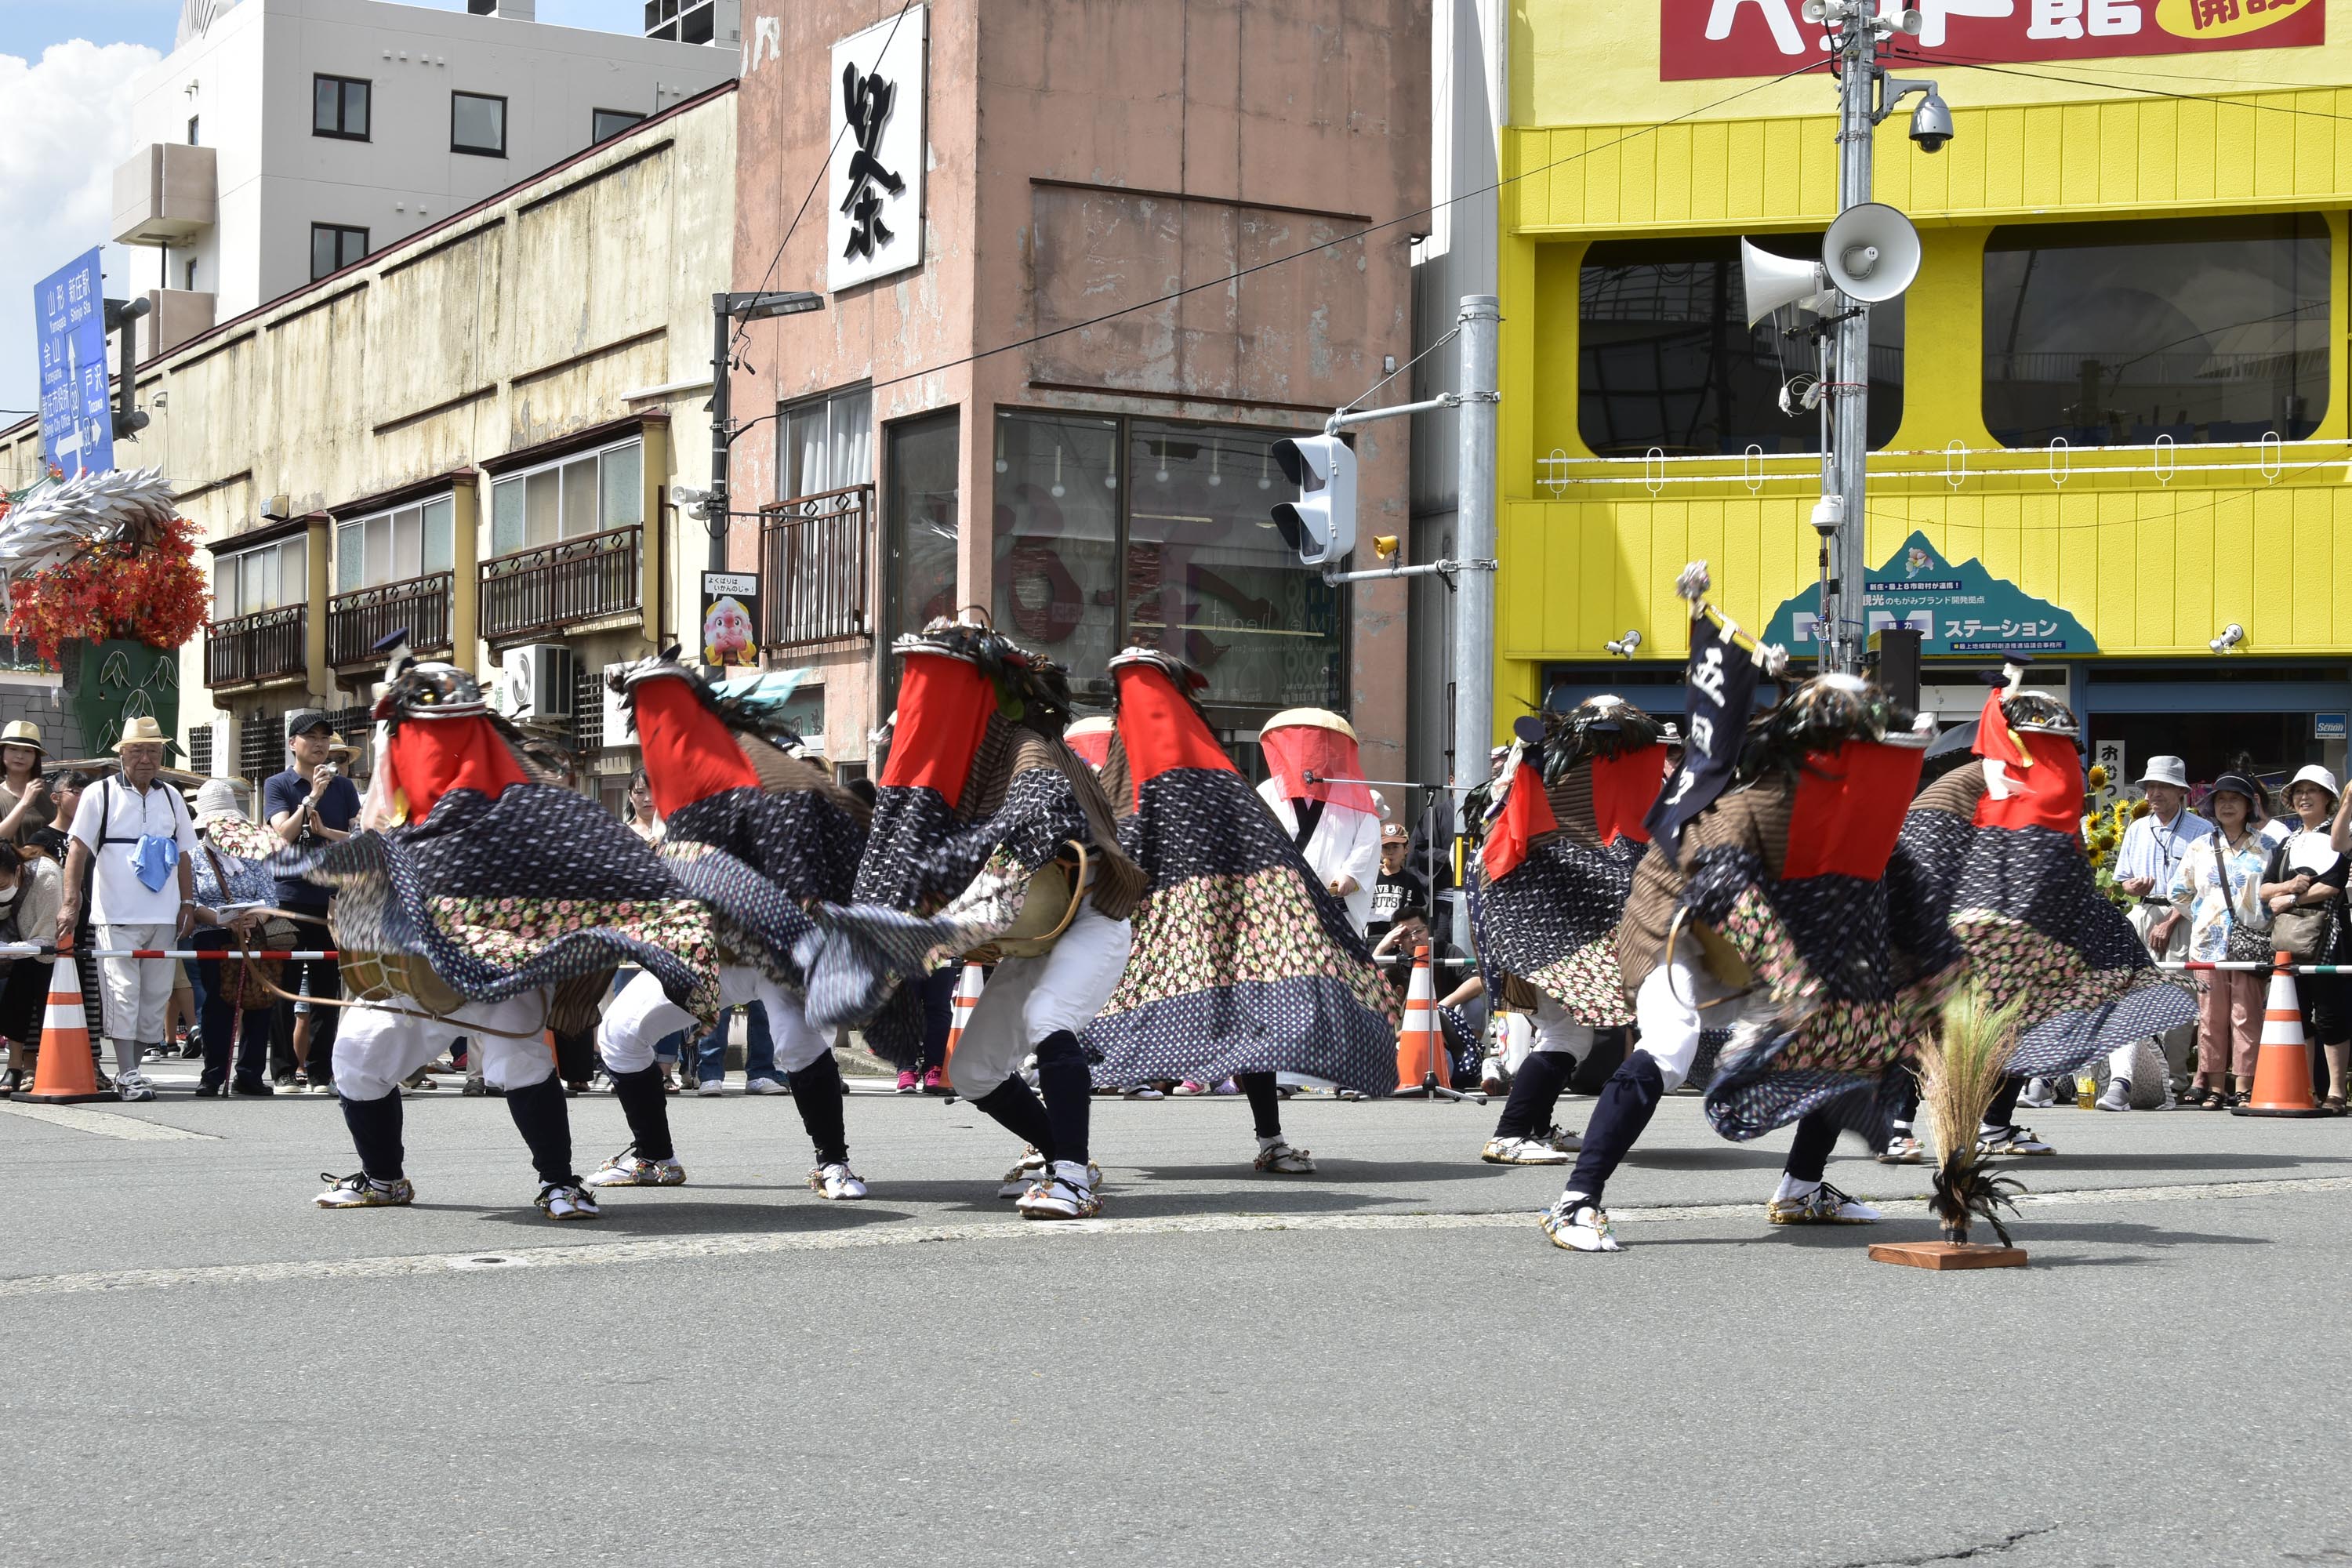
[999,403]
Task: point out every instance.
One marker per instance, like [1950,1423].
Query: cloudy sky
[66,73]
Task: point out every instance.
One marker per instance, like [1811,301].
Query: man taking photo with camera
[310,804]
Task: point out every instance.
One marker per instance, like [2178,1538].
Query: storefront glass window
[2114,333]
[1207,578]
[920,511]
[1666,357]
[1056,536]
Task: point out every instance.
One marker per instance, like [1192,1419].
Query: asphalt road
[1381,1364]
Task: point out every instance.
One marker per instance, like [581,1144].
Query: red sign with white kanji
[1768,38]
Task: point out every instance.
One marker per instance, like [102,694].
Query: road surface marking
[688,1248]
[105,1123]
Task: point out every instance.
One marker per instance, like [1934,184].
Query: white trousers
[1029,998]
[1556,1031]
[377,1049]
[1667,1007]
[2179,1044]
[137,990]
[643,1015]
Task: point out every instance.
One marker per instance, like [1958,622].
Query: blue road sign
[69,317]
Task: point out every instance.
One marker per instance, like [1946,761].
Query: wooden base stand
[1942,1255]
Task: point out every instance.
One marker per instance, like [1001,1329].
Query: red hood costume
[978,795]
[1556,862]
[1243,961]
[1783,882]
[1993,850]
[500,883]
[753,831]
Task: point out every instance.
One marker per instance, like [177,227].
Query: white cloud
[65,127]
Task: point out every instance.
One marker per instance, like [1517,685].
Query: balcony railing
[557,585]
[263,647]
[815,557]
[357,621]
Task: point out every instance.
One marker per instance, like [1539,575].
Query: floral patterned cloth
[1243,961]
[504,896]
[2023,903]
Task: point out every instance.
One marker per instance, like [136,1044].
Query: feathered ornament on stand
[1961,1071]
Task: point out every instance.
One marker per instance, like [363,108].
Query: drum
[1055,893]
[391,976]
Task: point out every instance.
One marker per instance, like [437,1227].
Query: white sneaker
[132,1086]
[1521,1151]
[1577,1224]
[710,1087]
[1285,1161]
[2012,1139]
[1558,1137]
[1144,1091]
[1492,1076]
[836,1181]
[631,1169]
[1901,1150]
[1823,1205]
[564,1202]
[2038,1094]
[2116,1096]
[766,1086]
[360,1191]
[1061,1196]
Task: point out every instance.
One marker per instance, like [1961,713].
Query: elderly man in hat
[2151,851]
[135,835]
[309,806]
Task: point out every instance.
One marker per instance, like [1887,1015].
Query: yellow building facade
[2117,386]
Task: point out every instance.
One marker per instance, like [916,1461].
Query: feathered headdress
[1820,716]
[1603,727]
[1031,689]
[751,704]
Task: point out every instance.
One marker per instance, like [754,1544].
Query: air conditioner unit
[538,678]
[278,508]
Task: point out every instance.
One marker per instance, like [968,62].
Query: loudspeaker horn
[1772,281]
[1871,253]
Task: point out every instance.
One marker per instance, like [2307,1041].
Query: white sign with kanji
[875,182]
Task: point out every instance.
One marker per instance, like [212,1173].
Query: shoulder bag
[2247,943]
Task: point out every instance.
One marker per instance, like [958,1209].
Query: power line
[1226,280]
[1969,62]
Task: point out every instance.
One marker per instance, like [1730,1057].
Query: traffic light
[129,419]
[1321,523]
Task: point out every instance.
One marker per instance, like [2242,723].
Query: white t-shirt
[112,809]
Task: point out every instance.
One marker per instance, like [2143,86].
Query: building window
[266,577]
[828,443]
[200,749]
[921,507]
[477,123]
[1115,532]
[2115,333]
[394,546]
[339,107]
[260,745]
[1666,357]
[334,247]
[188,274]
[568,498]
[607,123]
[192,129]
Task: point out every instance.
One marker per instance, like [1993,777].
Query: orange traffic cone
[1420,1048]
[67,1072]
[967,997]
[2282,1069]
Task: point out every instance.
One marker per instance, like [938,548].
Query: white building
[283,140]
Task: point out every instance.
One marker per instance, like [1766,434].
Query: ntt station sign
[1700,38]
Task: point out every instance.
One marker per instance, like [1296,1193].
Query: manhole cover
[487,1260]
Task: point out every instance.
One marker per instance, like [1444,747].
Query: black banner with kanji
[1718,689]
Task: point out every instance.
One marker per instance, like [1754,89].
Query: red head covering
[1159,729]
[1526,815]
[944,708]
[1849,809]
[1624,787]
[690,751]
[1294,751]
[428,758]
[2047,794]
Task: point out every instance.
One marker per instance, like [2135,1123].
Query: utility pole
[714,506]
[1474,605]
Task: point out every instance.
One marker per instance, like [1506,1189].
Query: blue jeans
[759,1047]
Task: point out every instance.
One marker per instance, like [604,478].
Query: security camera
[2232,635]
[1931,123]
[1623,646]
